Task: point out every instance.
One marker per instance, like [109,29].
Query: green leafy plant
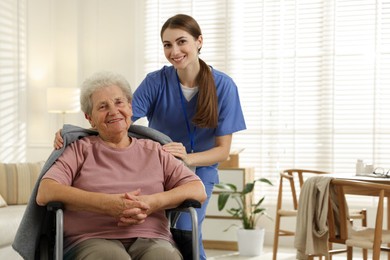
[247,210]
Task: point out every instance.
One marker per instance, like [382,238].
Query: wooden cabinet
[214,236]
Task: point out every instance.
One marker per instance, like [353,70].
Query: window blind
[313,77]
[12,79]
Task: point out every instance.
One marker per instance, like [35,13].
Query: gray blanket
[27,236]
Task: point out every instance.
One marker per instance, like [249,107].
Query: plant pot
[250,241]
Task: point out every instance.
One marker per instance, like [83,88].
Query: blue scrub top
[158,98]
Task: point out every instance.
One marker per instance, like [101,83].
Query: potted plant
[248,211]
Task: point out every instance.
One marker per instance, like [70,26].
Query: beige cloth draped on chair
[311,234]
[290,184]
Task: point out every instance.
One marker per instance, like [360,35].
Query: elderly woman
[115,188]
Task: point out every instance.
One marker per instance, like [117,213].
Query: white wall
[66,42]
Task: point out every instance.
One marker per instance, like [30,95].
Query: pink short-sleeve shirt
[91,165]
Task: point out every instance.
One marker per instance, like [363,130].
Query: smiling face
[181,49]
[111,113]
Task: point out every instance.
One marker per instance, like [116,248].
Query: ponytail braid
[206,115]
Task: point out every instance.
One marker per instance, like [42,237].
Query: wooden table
[380,180]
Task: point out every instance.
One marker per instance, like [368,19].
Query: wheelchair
[40,234]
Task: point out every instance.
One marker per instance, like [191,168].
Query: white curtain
[12,79]
[313,77]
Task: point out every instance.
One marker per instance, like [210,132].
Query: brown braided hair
[206,115]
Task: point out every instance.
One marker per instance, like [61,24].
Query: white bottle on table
[360,167]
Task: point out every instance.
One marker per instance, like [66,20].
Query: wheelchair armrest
[54,206]
[51,240]
[188,204]
[186,239]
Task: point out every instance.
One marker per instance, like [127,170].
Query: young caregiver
[197,106]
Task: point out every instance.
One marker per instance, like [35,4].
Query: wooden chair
[340,229]
[295,179]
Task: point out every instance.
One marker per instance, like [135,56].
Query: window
[313,77]
[12,79]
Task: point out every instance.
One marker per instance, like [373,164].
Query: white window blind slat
[12,79]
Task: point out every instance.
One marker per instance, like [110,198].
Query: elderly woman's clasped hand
[129,209]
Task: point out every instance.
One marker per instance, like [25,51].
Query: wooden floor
[283,254]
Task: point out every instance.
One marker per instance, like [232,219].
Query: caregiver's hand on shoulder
[176,149]
[58,141]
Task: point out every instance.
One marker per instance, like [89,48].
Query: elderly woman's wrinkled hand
[134,210]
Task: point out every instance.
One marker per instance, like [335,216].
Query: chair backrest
[295,179]
[338,220]
[337,214]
